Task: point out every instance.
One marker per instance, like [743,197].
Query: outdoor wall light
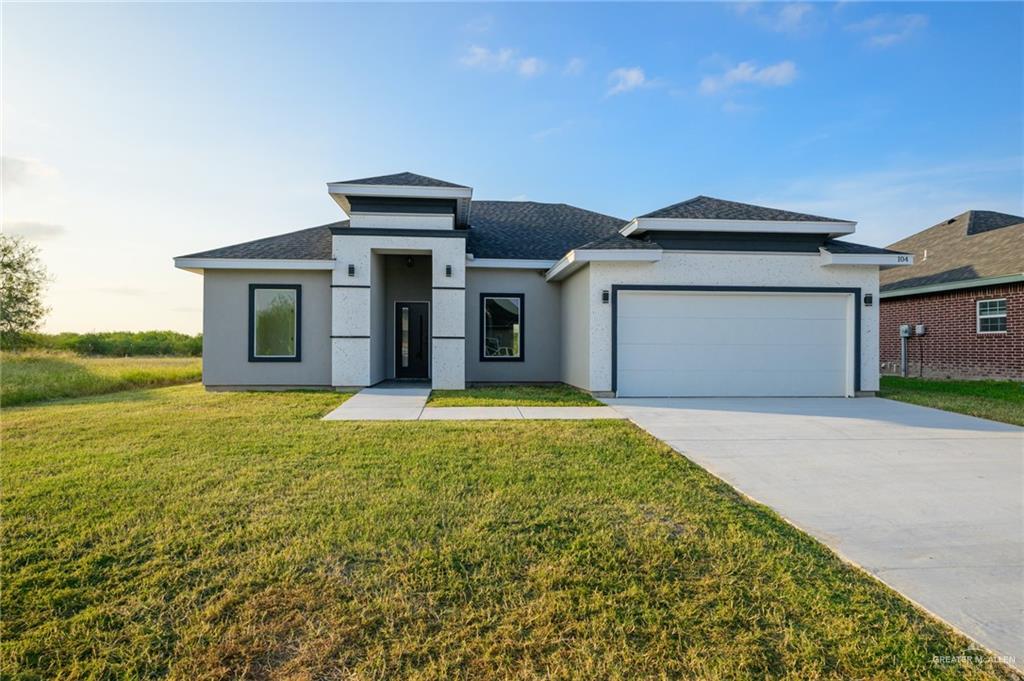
[351,270]
[605,297]
[448,270]
[868,300]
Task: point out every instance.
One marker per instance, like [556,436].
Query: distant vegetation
[35,376]
[113,343]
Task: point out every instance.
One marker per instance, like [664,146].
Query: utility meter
[919,330]
[904,330]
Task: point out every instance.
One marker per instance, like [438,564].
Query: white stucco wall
[577,299]
[351,319]
[719,269]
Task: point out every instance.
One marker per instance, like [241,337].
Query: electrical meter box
[919,330]
[904,330]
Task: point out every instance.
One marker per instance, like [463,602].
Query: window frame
[521,357]
[297,357]
[978,316]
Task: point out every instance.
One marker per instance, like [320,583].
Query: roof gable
[403,179]
[710,208]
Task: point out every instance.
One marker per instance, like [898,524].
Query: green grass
[556,395]
[184,534]
[995,400]
[36,376]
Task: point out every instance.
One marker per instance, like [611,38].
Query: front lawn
[555,395]
[186,534]
[34,376]
[995,400]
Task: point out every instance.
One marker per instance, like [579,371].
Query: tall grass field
[35,376]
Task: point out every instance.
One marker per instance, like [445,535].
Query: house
[703,297]
[962,300]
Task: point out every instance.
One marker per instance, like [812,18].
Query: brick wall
[952,347]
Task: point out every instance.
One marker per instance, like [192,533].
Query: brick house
[966,287]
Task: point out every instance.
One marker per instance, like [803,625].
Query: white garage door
[680,344]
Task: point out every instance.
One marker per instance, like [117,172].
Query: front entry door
[412,340]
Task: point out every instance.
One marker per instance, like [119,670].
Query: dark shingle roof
[709,208]
[978,244]
[539,231]
[981,221]
[313,243]
[836,246]
[405,179]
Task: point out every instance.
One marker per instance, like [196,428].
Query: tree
[22,281]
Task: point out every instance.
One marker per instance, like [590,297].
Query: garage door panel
[731,344]
[748,331]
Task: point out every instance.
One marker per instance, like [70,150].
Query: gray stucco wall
[226,330]
[403,284]
[542,338]
[575,348]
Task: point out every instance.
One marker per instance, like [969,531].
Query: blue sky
[132,134]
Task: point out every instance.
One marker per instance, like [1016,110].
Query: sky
[134,133]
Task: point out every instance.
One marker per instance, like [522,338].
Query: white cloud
[36,231]
[20,171]
[530,67]
[626,79]
[790,17]
[886,30]
[773,75]
[481,24]
[504,59]
[574,67]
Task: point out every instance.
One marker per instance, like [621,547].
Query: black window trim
[522,327]
[253,357]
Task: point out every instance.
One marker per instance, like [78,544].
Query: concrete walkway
[930,502]
[407,402]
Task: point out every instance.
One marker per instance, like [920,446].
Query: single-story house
[704,297]
[961,302]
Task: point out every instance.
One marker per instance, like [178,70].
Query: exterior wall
[542,338]
[226,330]
[402,284]
[351,304]
[728,269]
[398,221]
[951,346]
[575,351]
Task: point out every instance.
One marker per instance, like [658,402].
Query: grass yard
[995,400]
[184,534]
[557,395]
[36,376]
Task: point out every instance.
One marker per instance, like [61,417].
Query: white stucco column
[448,341]
[350,316]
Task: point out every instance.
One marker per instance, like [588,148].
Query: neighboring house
[966,287]
[704,297]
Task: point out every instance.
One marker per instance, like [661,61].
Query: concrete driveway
[930,502]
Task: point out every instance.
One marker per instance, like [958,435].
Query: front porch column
[448,342]
[350,318]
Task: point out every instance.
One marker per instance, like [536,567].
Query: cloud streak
[626,79]
[35,231]
[503,59]
[748,73]
[886,30]
[790,17]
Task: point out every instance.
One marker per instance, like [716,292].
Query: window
[992,316]
[275,313]
[502,316]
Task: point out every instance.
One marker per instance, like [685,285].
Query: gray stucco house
[704,297]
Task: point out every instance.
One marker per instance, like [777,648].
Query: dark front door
[412,340]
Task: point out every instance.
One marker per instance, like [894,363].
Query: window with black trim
[502,321]
[992,316]
[275,322]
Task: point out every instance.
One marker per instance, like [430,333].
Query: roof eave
[577,258]
[884,260]
[952,286]
[831,228]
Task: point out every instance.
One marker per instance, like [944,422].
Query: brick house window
[992,316]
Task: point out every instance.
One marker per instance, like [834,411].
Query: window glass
[992,316]
[274,322]
[502,327]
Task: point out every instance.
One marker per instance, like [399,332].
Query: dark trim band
[448,337]
[855,292]
[350,286]
[449,288]
[377,231]
[349,336]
